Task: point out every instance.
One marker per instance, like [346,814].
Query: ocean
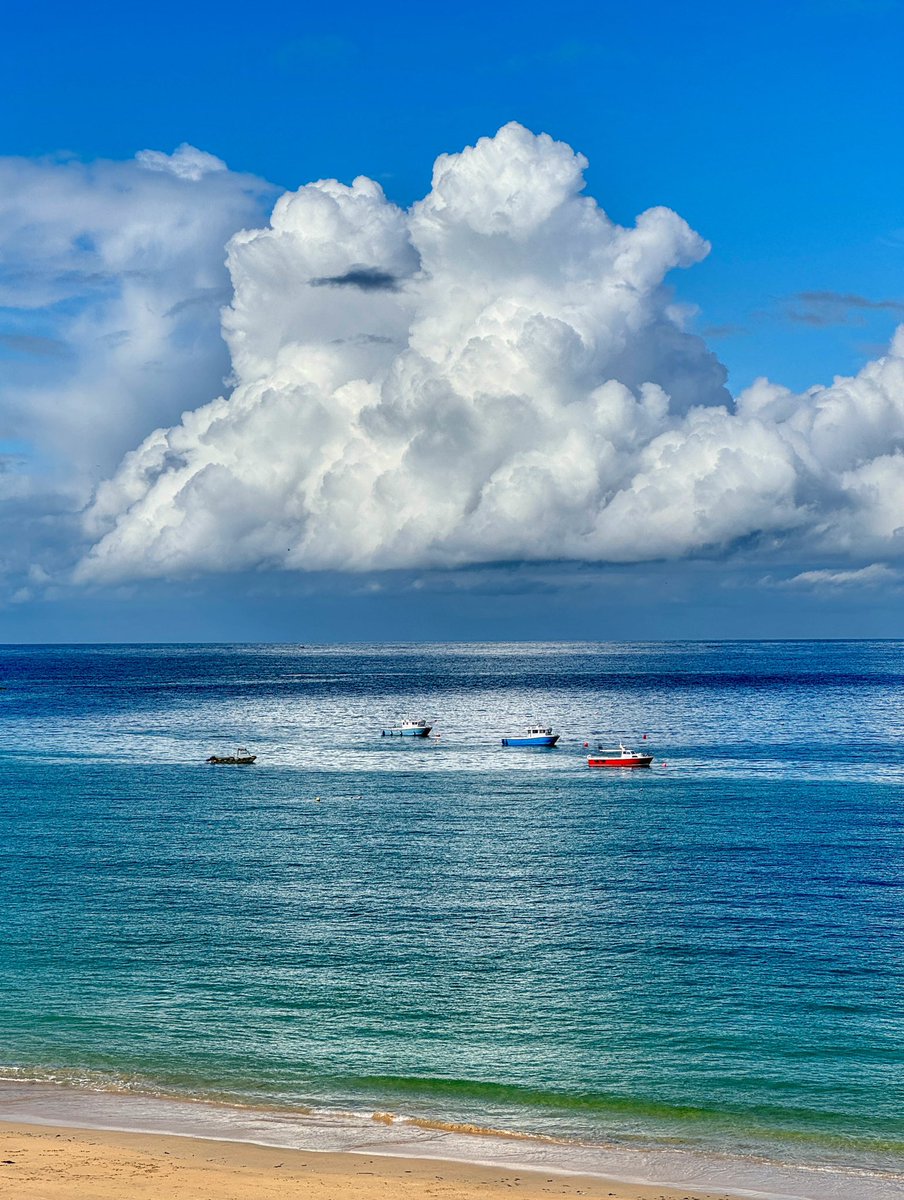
[692,973]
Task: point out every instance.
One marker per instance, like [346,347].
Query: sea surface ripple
[703,958]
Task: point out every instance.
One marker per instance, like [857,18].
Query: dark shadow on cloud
[367,279]
[10,463]
[362,339]
[118,337]
[205,298]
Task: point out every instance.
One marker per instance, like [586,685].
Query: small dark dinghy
[241,758]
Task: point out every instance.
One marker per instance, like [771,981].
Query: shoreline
[57,1112]
[48,1162]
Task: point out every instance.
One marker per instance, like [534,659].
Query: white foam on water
[330,1131]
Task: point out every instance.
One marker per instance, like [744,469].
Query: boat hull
[531,741]
[644,760]
[424,732]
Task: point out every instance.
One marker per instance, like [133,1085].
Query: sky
[390,322]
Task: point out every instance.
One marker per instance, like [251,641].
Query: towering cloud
[498,373]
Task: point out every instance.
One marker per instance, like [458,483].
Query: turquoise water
[706,955]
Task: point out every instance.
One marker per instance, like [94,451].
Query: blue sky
[774,130]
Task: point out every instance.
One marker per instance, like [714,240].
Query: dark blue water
[707,954]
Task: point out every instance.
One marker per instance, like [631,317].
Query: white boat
[409,728]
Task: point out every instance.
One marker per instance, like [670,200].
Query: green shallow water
[706,954]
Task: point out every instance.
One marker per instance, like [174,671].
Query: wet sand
[49,1163]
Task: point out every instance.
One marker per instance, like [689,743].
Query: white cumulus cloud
[186,162]
[112,277]
[498,373]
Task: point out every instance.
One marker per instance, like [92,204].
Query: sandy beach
[48,1163]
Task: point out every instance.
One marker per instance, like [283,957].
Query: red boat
[622,757]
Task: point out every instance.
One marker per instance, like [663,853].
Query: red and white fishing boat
[622,757]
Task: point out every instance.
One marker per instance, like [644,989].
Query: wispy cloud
[723,331]
[40,347]
[821,309]
[875,575]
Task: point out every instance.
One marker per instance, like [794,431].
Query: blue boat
[409,728]
[535,735]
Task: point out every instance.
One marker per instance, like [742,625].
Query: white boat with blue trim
[409,728]
[534,735]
